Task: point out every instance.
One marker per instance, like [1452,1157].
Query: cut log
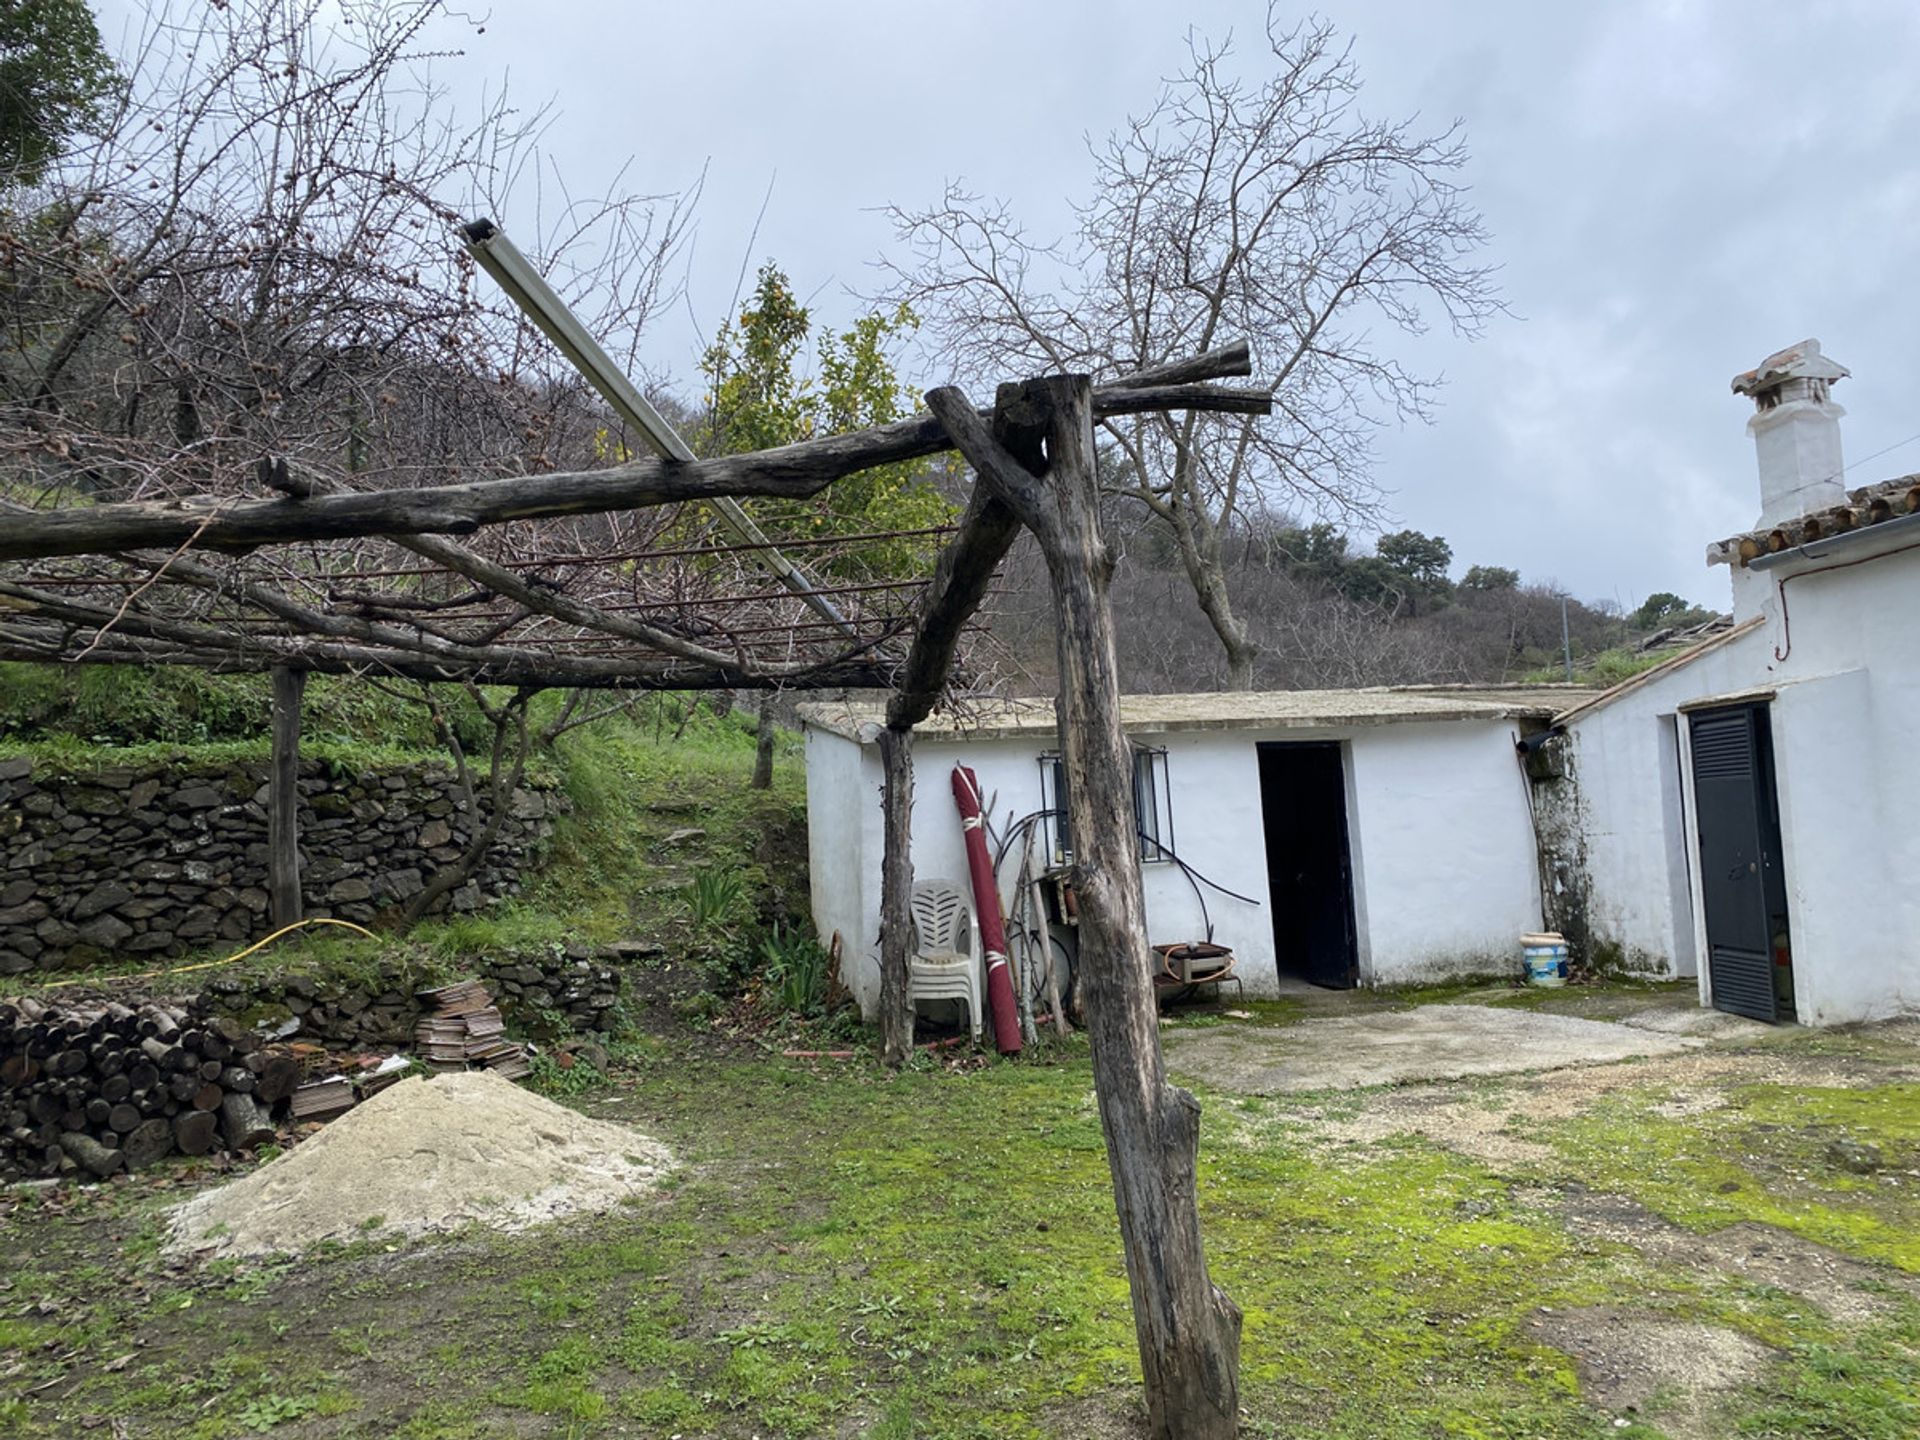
[124,1118]
[193,1131]
[208,1097]
[278,1080]
[244,1123]
[228,1029]
[91,1156]
[147,1143]
[164,1026]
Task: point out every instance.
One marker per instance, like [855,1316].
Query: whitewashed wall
[1633,816]
[1449,875]
[843,829]
[1444,863]
[1849,773]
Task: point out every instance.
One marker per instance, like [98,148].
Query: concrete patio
[1431,1042]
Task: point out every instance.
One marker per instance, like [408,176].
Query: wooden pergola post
[283,800]
[1039,458]
[896,894]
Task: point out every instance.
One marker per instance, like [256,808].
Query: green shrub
[715,898]
[796,971]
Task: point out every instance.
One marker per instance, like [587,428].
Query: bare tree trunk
[503,778]
[1187,1328]
[896,891]
[283,800]
[1199,546]
[763,750]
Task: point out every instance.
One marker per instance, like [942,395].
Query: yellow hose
[210,964]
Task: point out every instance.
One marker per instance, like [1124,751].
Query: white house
[1432,871]
[1745,812]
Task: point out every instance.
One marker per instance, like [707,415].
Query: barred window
[1152,805]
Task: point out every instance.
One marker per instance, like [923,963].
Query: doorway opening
[1743,882]
[1303,807]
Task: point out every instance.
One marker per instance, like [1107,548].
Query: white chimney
[1796,432]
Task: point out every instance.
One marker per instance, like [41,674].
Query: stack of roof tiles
[465,1028]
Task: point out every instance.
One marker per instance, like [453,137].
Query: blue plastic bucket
[1545,957]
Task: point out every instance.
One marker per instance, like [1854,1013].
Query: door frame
[1696,889]
[1361,969]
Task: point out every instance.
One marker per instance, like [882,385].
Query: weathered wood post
[283,799]
[961,578]
[896,894]
[763,739]
[1039,458]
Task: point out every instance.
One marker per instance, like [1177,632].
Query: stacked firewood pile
[109,1087]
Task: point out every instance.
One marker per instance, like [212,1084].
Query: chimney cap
[1797,362]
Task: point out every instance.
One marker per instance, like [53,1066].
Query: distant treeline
[1330,612]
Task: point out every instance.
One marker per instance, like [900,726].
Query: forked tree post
[283,799]
[1039,458]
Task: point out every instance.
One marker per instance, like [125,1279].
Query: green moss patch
[1763,1157]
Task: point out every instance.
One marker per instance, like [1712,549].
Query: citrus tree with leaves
[760,394]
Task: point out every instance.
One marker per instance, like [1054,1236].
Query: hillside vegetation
[660,802]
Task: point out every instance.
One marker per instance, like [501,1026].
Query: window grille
[1152,806]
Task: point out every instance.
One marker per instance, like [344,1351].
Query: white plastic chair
[945,964]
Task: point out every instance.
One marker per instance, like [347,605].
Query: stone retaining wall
[155,862]
[546,994]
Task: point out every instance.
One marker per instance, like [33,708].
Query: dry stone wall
[546,993]
[156,862]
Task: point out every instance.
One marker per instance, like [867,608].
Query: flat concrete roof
[981,718]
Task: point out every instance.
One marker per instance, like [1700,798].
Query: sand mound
[425,1155]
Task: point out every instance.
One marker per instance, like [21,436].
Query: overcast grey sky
[1675,189]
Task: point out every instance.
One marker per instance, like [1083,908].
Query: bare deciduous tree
[1271,208]
[255,253]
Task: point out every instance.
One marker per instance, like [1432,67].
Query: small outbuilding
[1746,812]
[1337,836]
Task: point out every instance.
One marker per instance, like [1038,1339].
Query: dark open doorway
[1743,884]
[1303,805]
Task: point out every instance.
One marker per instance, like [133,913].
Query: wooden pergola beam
[791,471]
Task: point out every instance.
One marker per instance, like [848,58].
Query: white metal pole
[525,286]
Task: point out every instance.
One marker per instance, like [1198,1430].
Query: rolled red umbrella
[986,909]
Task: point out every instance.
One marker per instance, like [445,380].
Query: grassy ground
[933,1254]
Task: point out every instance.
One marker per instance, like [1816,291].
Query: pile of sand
[425,1156]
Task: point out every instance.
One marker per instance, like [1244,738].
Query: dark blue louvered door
[1742,885]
